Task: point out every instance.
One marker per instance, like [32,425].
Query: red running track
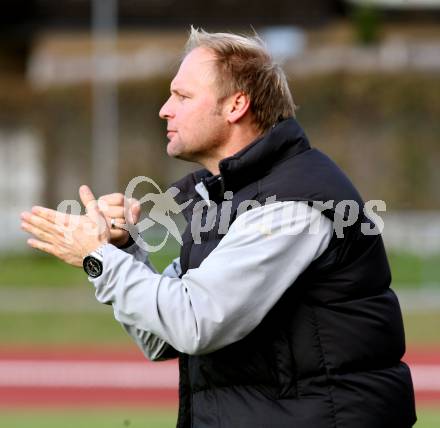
[87,376]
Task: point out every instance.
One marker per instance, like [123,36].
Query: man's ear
[237,106]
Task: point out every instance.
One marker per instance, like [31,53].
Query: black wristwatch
[92,263]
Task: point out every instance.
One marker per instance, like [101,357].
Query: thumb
[89,201]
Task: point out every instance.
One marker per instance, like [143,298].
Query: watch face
[92,266]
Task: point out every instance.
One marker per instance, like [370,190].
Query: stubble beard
[206,151]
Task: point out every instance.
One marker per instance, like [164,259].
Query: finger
[117,224]
[123,215]
[87,197]
[51,215]
[89,201]
[40,223]
[42,246]
[135,210]
[113,217]
[132,211]
[39,233]
[113,199]
[114,212]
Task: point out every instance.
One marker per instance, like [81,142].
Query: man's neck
[235,144]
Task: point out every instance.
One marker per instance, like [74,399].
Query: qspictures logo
[206,214]
[164,205]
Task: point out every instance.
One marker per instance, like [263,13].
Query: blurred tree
[367,23]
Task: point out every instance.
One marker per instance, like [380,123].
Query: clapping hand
[71,237]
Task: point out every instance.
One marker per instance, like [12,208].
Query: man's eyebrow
[178,91]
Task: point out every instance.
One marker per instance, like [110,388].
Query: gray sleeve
[154,348]
[223,300]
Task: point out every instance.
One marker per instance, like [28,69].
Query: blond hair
[244,64]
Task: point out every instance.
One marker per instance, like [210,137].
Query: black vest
[329,352]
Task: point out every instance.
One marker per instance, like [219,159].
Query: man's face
[196,123]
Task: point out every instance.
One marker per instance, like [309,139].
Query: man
[278,319]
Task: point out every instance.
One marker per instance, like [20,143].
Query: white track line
[426,377]
[86,374]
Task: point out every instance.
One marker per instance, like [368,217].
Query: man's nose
[165,111]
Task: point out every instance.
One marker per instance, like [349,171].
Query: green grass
[37,269]
[422,327]
[94,418]
[428,418]
[409,270]
[128,418]
[162,259]
[61,328]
